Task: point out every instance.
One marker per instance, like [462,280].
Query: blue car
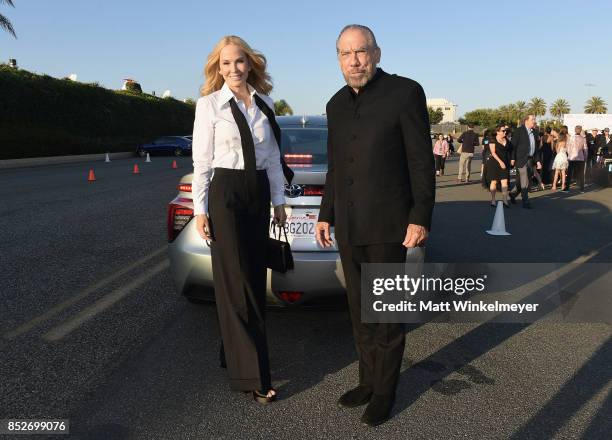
[177,145]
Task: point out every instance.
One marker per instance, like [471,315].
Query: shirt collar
[226,94]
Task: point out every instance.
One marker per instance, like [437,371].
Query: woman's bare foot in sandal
[262,398]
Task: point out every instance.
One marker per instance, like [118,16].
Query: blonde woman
[237,171]
[561,162]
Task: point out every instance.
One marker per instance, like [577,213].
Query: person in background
[591,140]
[440,151]
[498,164]
[577,154]
[546,155]
[561,163]
[604,141]
[451,145]
[525,157]
[468,140]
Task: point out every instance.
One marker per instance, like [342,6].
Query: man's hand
[322,234]
[416,235]
[538,165]
[280,215]
[202,226]
[512,163]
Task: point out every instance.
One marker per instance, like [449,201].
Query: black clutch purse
[279,257]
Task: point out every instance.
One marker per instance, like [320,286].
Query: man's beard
[358,83]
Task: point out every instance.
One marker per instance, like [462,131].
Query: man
[591,140]
[468,140]
[577,153]
[379,196]
[604,142]
[524,156]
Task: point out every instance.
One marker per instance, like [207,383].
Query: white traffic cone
[499,222]
[148,158]
[107,158]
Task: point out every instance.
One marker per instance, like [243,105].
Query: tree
[133,86]
[595,104]
[521,111]
[483,117]
[281,108]
[435,116]
[537,107]
[559,108]
[4,22]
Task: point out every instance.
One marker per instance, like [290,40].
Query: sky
[476,54]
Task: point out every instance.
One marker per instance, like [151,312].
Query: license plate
[300,225]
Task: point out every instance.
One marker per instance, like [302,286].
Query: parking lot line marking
[58,332]
[64,305]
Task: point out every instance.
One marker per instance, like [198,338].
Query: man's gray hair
[366,30]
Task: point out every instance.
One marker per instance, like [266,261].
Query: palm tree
[537,106]
[4,22]
[282,108]
[559,108]
[595,105]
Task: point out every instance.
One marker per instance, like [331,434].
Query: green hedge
[45,116]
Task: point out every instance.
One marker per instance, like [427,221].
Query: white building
[448,108]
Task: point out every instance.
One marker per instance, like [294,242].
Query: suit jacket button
[349,181]
[353,137]
[350,204]
[351,159]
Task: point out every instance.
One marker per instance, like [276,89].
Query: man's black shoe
[379,410]
[512,198]
[356,397]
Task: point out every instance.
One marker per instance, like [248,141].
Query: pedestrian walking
[561,162]
[441,152]
[577,154]
[468,140]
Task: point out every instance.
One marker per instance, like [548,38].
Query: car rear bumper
[318,275]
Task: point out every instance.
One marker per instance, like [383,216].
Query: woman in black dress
[498,164]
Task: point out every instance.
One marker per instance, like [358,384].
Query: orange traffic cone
[92,176]
[136,170]
[174,165]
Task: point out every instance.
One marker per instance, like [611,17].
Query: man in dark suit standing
[524,157]
[379,195]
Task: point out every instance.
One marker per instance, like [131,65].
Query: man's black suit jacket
[521,147]
[380,172]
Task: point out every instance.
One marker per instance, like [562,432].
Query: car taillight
[185,187]
[313,190]
[290,297]
[178,217]
[298,159]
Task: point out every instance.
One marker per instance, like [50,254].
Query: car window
[304,145]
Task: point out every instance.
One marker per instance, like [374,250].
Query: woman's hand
[202,226]
[280,215]
[502,165]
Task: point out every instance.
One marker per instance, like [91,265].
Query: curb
[53,160]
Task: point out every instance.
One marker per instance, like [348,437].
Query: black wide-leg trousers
[380,346]
[240,230]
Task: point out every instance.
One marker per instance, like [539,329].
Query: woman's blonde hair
[258,77]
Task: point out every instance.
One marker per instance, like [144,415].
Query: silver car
[317,276]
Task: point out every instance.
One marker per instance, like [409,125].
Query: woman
[547,141]
[561,162]
[451,145]
[232,192]
[498,164]
[440,151]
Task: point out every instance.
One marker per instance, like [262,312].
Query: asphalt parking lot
[93,331]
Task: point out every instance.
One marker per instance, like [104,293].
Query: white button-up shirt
[531,141]
[216,144]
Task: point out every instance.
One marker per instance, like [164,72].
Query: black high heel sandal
[263,398]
